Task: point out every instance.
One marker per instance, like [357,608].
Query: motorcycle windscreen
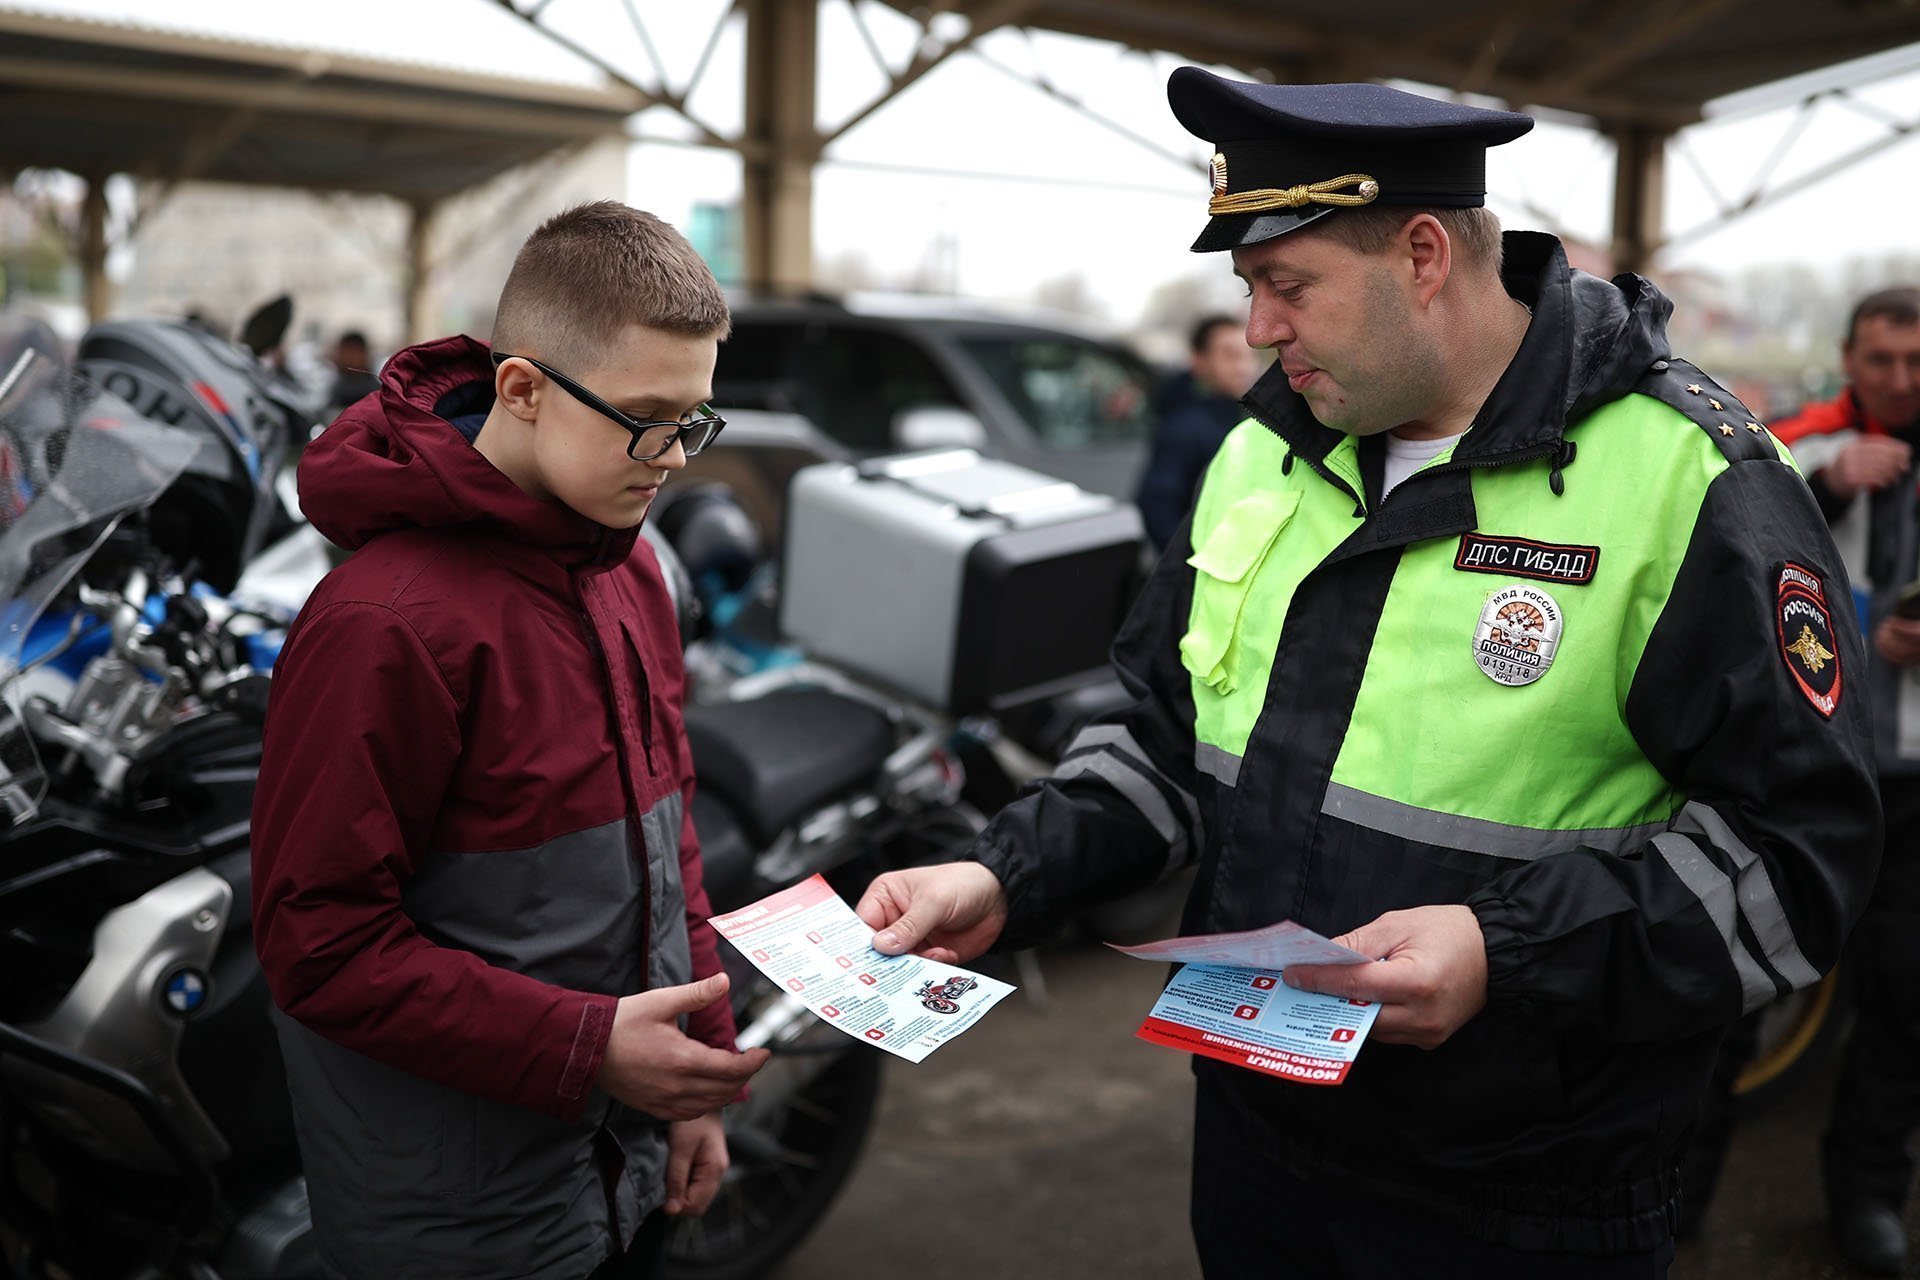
[74,462]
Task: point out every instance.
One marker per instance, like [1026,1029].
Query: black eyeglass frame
[710,422]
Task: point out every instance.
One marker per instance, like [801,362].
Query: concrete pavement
[1048,1141]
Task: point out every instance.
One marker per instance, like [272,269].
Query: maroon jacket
[472,834]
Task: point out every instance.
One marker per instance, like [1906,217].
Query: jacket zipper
[599,651]
[1359,503]
[1562,450]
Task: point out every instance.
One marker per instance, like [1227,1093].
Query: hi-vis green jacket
[1592,673]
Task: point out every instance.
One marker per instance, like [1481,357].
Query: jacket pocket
[1228,562]
[636,702]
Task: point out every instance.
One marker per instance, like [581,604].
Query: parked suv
[880,377]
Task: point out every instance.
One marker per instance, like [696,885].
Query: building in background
[222,250]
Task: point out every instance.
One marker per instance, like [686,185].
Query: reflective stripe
[1217,763]
[1139,792]
[1120,738]
[1476,835]
[1716,893]
[1753,886]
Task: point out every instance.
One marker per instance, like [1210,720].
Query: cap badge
[1331,192]
[1518,635]
[1217,173]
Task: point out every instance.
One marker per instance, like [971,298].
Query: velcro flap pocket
[1227,560]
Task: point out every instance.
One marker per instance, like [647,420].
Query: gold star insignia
[1810,651]
[1754,427]
[1715,403]
[1693,388]
[1726,428]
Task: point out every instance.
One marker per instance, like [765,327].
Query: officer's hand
[948,913]
[1898,640]
[652,1065]
[696,1159]
[1870,462]
[1431,977]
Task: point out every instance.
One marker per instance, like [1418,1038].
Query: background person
[477,889]
[353,370]
[1471,655]
[1857,450]
[1192,427]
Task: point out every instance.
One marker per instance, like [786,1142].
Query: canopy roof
[98,98]
[1650,62]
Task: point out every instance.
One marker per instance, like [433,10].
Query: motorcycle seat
[726,859]
[777,757]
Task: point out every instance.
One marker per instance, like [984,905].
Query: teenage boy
[476,883]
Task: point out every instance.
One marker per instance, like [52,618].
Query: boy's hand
[696,1158]
[652,1065]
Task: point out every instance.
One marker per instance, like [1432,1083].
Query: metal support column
[417,317]
[781,147]
[1639,185]
[93,249]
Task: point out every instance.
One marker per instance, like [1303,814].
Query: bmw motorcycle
[144,1129]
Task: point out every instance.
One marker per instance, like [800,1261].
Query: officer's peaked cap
[1286,155]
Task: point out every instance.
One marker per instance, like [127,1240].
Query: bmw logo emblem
[184,991]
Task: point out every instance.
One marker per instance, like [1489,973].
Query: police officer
[1502,645]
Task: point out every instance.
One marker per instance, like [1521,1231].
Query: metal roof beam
[982,18]
[1659,27]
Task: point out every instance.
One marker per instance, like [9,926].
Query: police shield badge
[1807,644]
[1519,633]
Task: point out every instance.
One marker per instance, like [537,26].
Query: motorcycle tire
[1795,1035]
[783,1177]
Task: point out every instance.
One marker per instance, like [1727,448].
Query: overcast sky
[1072,196]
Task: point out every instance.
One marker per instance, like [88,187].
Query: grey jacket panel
[409,1178]
[566,912]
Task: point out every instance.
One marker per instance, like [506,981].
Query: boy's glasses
[650,439]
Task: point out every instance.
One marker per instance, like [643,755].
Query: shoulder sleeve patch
[1737,433]
[1807,642]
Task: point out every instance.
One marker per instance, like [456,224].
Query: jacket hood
[393,462]
[1591,341]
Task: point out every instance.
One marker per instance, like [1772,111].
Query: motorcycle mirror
[267,327]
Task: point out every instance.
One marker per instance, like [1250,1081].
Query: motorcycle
[144,1127]
[734,635]
[802,770]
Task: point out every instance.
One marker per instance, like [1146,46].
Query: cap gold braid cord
[1328,192]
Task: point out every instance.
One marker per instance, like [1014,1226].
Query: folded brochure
[1229,1003]
[807,941]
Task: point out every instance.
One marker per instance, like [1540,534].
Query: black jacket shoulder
[1734,430]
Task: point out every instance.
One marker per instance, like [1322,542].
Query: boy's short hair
[592,271]
[1474,231]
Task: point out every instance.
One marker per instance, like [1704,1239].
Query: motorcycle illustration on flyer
[809,942]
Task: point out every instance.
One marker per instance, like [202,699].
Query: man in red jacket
[475,873]
[1857,452]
